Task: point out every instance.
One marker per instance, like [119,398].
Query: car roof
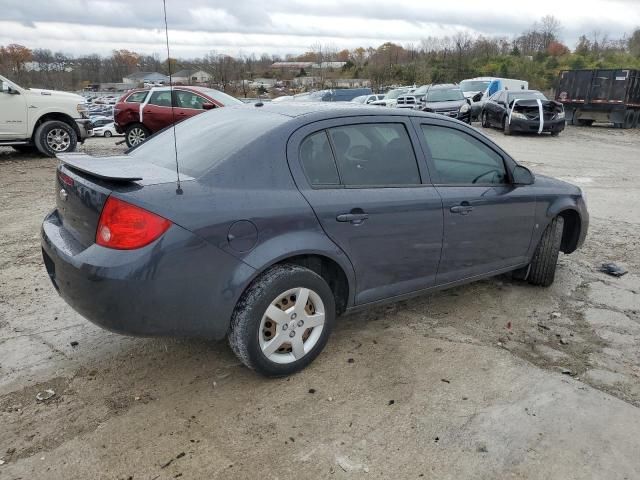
[442,86]
[523,91]
[316,111]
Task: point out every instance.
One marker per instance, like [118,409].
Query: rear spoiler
[119,168]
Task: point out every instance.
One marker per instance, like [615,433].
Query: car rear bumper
[178,285]
[533,126]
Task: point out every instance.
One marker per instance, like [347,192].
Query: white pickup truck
[50,121]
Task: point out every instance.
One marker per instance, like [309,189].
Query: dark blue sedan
[288,215]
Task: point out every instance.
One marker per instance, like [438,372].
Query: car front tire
[506,127]
[542,270]
[485,120]
[283,321]
[54,137]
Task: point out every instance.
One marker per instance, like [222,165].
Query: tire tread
[543,266]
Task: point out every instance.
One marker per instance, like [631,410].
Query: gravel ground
[464,383]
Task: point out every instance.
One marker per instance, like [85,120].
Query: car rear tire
[54,137]
[485,120]
[136,134]
[107,134]
[542,270]
[282,321]
[506,127]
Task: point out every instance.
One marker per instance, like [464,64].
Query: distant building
[291,65]
[145,77]
[328,65]
[191,77]
[264,82]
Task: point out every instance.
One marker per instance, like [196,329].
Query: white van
[480,88]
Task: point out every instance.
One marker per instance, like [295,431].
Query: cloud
[287,26]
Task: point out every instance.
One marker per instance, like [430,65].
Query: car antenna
[173,114]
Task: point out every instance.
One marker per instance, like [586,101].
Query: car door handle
[463,209]
[355,218]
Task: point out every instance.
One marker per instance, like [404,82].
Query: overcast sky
[288,26]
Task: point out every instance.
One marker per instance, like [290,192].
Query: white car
[108,130]
[367,99]
[391,98]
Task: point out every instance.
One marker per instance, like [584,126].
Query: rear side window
[461,159]
[137,97]
[317,160]
[374,155]
[161,99]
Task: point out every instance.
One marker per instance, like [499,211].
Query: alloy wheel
[58,140]
[291,325]
[136,136]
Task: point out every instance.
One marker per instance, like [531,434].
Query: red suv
[140,113]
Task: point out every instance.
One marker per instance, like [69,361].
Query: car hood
[445,105]
[556,184]
[56,93]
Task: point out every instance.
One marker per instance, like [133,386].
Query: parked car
[391,98]
[605,95]
[479,89]
[46,121]
[367,99]
[140,112]
[100,121]
[526,111]
[268,248]
[448,100]
[106,130]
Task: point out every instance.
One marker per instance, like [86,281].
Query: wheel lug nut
[292,333]
[285,326]
[300,323]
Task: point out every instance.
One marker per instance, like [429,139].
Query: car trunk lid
[83,184]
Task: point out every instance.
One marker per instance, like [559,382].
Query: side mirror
[208,106]
[522,176]
[477,97]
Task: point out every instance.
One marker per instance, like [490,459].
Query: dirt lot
[496,379]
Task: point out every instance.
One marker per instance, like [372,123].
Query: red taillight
[66,179]
[125,227]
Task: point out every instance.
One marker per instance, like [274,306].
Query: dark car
[287,215]
[337,95]
[141,112]
[448,100]
[527,111]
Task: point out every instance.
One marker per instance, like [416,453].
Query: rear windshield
[221,97]
[207,139]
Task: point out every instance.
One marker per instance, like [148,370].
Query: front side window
[317,160]
[461,159]
[186,99]
[161,99]
[374,155]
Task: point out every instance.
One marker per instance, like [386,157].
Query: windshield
[421,90]
[474,85]
[526,96]
[393,94]
[445,95]
[221,97]
[207,139]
